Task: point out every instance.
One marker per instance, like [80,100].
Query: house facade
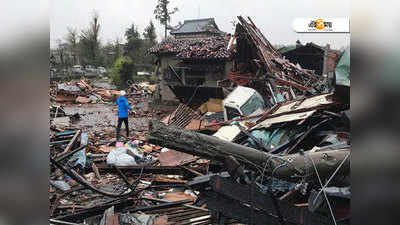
[193,60]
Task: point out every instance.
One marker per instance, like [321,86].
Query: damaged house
[320,59]
[286,162]
[276,150]
[192,61]
[257,64]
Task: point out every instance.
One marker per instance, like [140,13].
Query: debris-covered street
[231,132]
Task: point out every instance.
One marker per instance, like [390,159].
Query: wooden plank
[96,172]
[193,171]
[112,220]
[290,83]
[72,142]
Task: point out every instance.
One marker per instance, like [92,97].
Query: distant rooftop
[206,25]
[287,48]
[299,45]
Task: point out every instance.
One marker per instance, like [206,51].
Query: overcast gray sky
[273,17]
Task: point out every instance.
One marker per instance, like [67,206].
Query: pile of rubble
[82,92]
[257,64]
[79,92]
[92,172]
[194,48]
[130,181]
[293,158]
[274,151]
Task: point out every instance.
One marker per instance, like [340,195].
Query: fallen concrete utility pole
[288,167]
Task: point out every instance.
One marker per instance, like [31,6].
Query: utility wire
[326,198]
[334,173]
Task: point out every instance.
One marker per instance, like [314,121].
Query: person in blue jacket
[123,111]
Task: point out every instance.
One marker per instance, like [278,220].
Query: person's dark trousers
[120,120]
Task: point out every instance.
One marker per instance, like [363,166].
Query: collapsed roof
[259,61]
[195,48]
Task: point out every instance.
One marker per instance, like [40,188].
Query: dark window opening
[232,112]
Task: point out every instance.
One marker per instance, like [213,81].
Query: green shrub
[122,71]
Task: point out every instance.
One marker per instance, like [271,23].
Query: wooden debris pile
[257,64]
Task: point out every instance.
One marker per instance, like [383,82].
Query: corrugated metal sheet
[304,104]
[181,117]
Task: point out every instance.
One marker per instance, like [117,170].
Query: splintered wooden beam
[96,172]
[289,167]
[72,142]
[290,83]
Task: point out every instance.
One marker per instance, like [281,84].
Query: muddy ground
[103,117]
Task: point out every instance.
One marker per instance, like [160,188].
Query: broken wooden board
[178,196]
[62,122]
[284,118]
[227,133]
[174,158]
[83,100]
